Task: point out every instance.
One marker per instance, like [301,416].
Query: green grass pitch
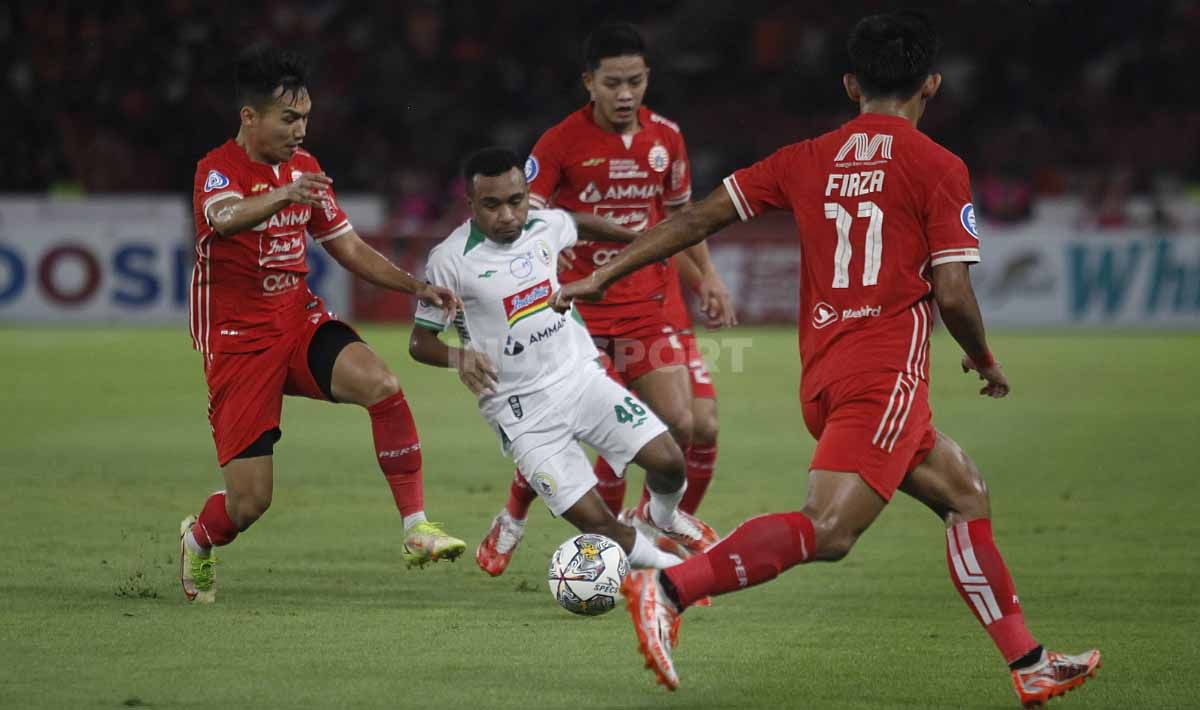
[1092,465]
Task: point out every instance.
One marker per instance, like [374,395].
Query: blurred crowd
[1041,97]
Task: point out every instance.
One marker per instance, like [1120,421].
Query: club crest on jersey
[296,175]
[527,302]
[531,168]
[543,252]
[823,315]
[215,181]
[521,267]
[967,215]
[659,159]
[590,195]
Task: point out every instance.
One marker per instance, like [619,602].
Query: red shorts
[876,424]
[632,357]
[702,386]
[245,390]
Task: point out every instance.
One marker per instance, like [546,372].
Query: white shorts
[594,410]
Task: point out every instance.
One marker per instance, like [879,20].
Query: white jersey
[505,290]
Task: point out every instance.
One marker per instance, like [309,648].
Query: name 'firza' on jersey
[877,204]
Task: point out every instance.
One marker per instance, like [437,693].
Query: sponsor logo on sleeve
[216,180]
[659,159]
[531,168]
[967,215]
[527,302]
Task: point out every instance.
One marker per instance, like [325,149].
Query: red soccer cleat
[656,622]
[1055,675]
[496,550]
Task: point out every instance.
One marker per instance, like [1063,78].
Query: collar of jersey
[477,237]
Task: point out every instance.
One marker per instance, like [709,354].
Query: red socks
[520,496]
[610,486]
[701,460]
[398,451]
[980,576]
[756,552]
[214,527]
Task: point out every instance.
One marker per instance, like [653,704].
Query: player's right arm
[233,215]
[475,369]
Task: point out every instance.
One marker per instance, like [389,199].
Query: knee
[383,385]
[971,502]
[682,426]
[834,539]
[704,430]
[248,508]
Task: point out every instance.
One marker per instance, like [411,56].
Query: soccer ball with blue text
[585,574]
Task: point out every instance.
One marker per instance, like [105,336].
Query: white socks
[189,541]
[411,520]
[646,555]
[664,505]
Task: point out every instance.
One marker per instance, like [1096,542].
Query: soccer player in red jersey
[618,159]
[264,334]
[886,226]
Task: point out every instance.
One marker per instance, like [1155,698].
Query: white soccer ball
[585,574]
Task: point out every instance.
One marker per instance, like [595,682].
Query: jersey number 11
[874,246]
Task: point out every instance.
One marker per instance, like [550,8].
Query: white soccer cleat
[197,575]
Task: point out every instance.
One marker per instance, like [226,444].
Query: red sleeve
[543,170]
[215,180]
[950,219]
[759,188]
[679,185]
[328,221]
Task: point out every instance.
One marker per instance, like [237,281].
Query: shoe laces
[427,527]
[202,569]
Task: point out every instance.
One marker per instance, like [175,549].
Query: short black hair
[614,39]
[892,54]
[263,69]
[490,162]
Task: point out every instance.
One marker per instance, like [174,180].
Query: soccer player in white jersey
[535,372]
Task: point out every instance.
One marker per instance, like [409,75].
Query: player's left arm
[697,270]
[362,260]
[960,312]
[689,226]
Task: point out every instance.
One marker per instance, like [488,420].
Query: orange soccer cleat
[495,551]
[1054,675]
[656,622]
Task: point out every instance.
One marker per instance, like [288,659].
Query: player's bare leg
[668,392]
[840,507]
[247,495]
[590,515]
[702,454]
[666,479]
[948,482]
[363,378]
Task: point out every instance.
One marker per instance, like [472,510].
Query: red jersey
[630,180]
[249,289]
[877,203]
[675,309]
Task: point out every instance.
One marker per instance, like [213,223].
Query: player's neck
[254,155]
[627,129]
[909,110]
